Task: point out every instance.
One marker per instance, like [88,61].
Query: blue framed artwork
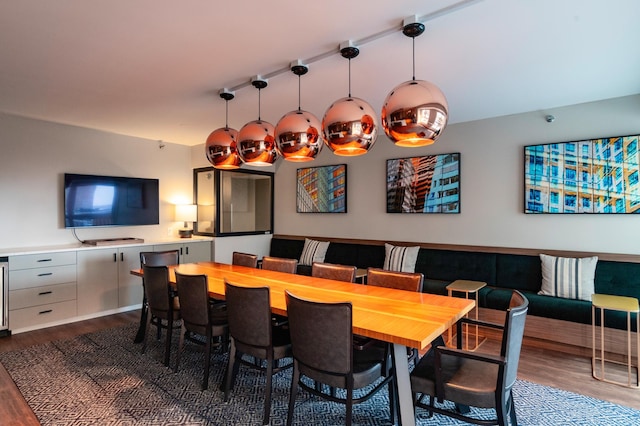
[427,184]
[322,189]
[588,176]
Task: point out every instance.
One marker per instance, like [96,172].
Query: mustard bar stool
[603,302]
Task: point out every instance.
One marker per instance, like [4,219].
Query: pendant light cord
[299,90]
[413,39]
[259,119]
[226,114]
[349,77]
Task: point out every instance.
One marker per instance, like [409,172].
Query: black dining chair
[334,271]
[200,316]
[253,334]
[162,304]
[244,259]
[322,346]
[472,379]
[153,258]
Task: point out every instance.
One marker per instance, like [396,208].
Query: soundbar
[113,241]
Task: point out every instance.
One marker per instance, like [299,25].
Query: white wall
[492,168]
[35,154]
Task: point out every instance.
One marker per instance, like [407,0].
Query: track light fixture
[297,133]
[349,125]
[221,145]
[255,140]
[415,112]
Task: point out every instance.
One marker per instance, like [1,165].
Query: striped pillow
[313,251]
[568,277]
[400,258]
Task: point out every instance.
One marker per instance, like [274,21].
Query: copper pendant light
[349,126]
[415,112]
[221,145]
[256,143]
[297,134]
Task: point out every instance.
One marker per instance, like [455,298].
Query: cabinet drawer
[40,315]
[37,296]
[42,260]
[27,278]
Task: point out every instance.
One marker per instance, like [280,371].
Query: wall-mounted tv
[91,200]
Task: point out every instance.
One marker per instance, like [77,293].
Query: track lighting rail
[422,19]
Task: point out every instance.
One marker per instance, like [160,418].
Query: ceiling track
[368,39]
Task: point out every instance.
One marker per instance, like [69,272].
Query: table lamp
[186,213]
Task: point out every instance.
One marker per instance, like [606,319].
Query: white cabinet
[104,279]
[193,251]
[42,289]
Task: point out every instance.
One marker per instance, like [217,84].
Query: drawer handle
[45,260]
[42,293]
[48,311]
[44,274]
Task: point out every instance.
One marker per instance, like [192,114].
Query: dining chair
[472,379]
[153,258]
[252,333]
[322,347]
[334,271]
[201,317]
[280,264]
[161,303]
[244,259]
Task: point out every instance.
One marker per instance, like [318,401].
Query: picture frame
[425,184]
[321,189]
[591,176]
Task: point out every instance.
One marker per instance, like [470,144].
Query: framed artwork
[322,189]
[427,184]
[588,176]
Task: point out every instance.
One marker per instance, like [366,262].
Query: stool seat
[604,302]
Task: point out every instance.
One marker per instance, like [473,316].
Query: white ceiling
[153,68]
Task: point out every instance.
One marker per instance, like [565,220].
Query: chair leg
[143,327]
[207,361]
[167,348]
[144,338]
[231,365]
[512,412]
[267,391]
[183,331]
[292,393]
[349,405]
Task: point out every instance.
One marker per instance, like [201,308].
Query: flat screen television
[91,201]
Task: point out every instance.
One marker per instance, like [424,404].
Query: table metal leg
[406,415]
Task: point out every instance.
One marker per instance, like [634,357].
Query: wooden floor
[560,370]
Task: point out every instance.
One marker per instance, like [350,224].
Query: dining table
[403,318]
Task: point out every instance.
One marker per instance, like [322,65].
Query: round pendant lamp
[415,112]
[256,144]
[221,145]
[298,133]
[349,126]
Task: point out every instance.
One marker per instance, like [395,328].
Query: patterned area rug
[102,378]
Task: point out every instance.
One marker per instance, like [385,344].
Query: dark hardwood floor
[550,368]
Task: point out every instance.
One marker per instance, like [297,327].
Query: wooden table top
[396,316]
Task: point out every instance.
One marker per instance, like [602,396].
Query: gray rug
[102,378]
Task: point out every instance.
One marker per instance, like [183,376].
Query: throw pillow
[568,277]
[313,251]
[400,258]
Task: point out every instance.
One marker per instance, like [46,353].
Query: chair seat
[466,381]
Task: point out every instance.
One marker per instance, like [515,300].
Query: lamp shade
[298,136]
[221,149]
[186,213]
[414,113]
[256,143]
[349,127]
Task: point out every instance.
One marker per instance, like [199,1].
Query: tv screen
[110,201]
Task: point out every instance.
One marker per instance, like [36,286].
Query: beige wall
[492,184]
[35,155]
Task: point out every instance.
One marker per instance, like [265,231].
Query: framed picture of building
[588,176]
[427,184]
[322,189]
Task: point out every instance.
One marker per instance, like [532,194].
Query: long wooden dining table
[405,319]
